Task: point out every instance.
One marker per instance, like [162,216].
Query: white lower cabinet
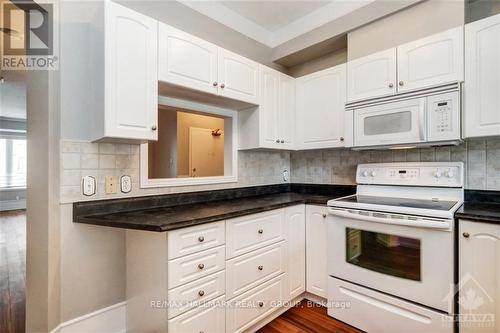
[247,309]
[227,276]
[209,318]
[479,276]
[250,270]
[316,249]
[296,238]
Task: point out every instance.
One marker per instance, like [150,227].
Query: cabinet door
[372,76]
[321,108]
[431,61]
[186,60]
[479,270]
[131,86]
[316,250]
[296,239]
[238,77]
[286,117]
[482,78]
[268,107]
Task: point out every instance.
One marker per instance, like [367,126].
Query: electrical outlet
[88,186]
[125,184]
[285,175]
[111,185]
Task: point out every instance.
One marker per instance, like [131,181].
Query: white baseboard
[12,205]
[106,320]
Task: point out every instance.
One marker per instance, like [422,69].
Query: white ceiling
[274,22]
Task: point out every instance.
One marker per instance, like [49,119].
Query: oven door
[391,123]
[414,263]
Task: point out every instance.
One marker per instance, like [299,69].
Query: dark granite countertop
[480,212]
[480,206]
[170,216]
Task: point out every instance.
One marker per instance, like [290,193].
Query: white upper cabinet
[427,62]
[238,77]
[272,123]
[129,108]
[372,76]
[431,61]
[482,78]
[286,117]
[186,60]
[269,107]
[321,108]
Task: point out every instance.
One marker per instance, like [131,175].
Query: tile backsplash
[79,159]
[338,166]
[327,166]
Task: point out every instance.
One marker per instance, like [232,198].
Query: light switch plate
[111,185]
[285,175]
[88,186]
[125,184]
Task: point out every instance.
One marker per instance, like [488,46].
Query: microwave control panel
[443,116]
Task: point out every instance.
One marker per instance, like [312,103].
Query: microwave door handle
[444,225]
[422,124]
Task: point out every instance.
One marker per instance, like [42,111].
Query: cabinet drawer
[190,240]
[250,270]
[195,293]
[250,307]
[248,233]
[195,266]
[207,319]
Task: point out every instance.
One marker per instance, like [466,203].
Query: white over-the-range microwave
[426,118]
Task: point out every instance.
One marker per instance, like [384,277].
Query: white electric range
[391,247]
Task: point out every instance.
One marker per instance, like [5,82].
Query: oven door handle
[420,222]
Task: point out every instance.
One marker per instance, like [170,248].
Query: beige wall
[184,122]
[326,61]
[418,21]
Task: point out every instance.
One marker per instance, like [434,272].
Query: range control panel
[446,174]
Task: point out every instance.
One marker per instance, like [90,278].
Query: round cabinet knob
[260,267]
[277,140]
[223,86]
[365,173]
[324,216]
[153,127]
[342,139]
[215,84]
[201,293]
[466,235]
[401,83]
[201,239]
[260,231]
[282,141]
[261,304]
[391,85]
[201,266]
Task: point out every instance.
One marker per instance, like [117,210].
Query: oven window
[389,123]
[388,254]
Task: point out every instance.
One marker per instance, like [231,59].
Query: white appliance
[391,247]
[426,118]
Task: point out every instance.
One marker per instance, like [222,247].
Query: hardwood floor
[12,271]
[307,317]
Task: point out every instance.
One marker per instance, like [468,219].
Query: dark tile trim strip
[88,208]
[482,196]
